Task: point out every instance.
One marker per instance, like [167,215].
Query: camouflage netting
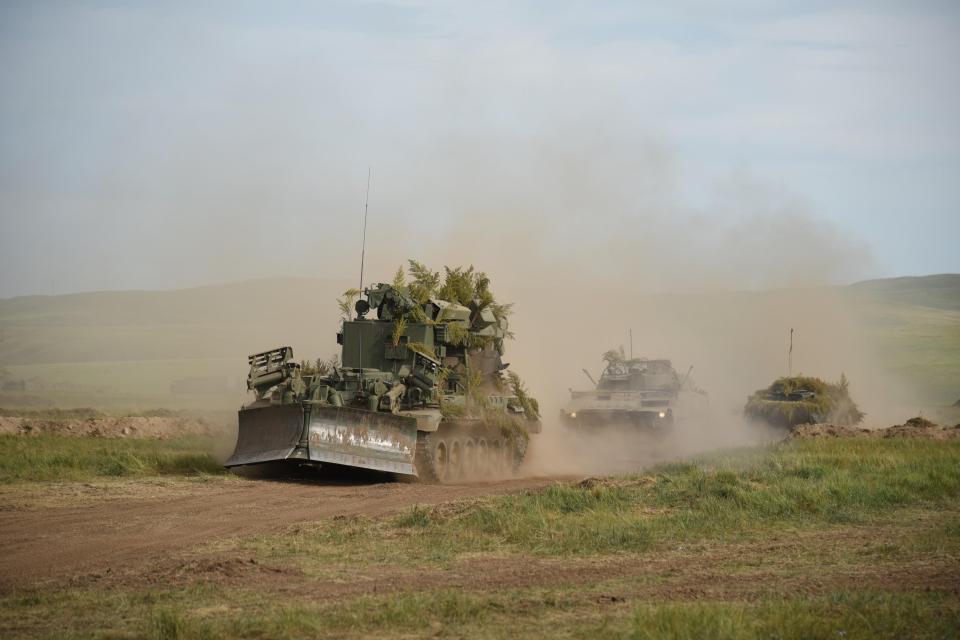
[461,285]
[469,288]
[803,400]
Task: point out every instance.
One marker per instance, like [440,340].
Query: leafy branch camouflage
[797,400]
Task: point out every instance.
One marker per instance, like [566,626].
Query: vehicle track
[56,543]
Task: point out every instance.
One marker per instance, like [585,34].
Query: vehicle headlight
[573,414]
[663,414]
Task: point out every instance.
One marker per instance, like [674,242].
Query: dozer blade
[267,433]
[358,438]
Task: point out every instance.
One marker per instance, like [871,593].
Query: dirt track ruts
[59,542]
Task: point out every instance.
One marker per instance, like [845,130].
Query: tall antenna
[363,247]
[790,355]
[363,253]
[631,344]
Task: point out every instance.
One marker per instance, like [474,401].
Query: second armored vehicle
[420,389]
[636,392]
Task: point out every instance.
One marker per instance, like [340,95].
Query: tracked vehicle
[422,390]
[637,392]
[795,400]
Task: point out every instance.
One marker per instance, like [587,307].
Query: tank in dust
[637,392]
[422,391]
[795,400]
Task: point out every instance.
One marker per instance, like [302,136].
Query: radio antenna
[363,252]
[363,247]
[790,355]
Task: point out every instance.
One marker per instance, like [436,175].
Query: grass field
[67,458]
[720,498]
[809,539]
[917,344]
[553,612]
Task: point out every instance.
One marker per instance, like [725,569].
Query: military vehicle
[794,400]
[635,392]
[420,390]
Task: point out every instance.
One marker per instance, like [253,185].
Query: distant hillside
[914,325]
[937,292]
[188,347]
[203,322]
[242,302]
[150,348]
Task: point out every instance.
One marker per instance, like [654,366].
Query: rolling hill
[187,348]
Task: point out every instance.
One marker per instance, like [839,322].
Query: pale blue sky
[174,144]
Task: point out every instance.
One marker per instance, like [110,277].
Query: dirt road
[59,542]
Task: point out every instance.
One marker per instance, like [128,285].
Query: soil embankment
[109,427]
[918,427]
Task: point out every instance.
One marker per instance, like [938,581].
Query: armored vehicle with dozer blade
[420,388]
[636,392]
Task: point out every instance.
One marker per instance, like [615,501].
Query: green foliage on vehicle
[804,400]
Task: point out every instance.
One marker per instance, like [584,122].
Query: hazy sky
[758,144]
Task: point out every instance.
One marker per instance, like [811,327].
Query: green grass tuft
[418,516]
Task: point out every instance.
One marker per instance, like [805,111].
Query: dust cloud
[551,181]
[736,343]
[590,234]
[591,241]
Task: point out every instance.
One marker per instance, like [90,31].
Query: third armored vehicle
[420,388]
[635,392]
[790,401]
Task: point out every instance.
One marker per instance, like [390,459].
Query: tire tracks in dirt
[705,572]
[56,543]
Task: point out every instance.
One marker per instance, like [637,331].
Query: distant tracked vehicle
[641,393]
[795,400]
